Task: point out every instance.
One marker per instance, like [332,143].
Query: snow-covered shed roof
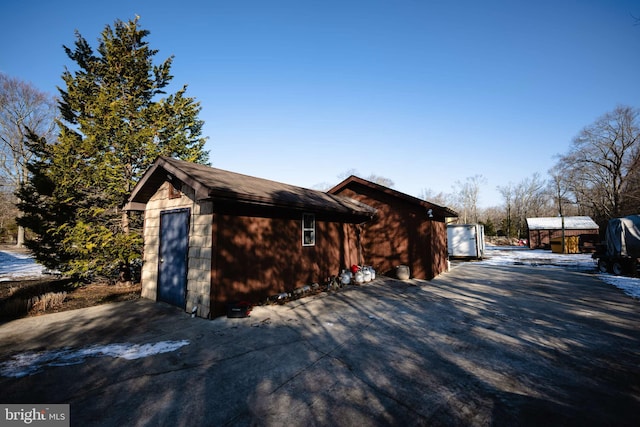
[555,223]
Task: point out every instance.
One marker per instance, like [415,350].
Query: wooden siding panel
[401,234]
[439,251]
[541,239]
[260,257]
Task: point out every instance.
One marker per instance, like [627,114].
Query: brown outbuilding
[544,230]
[214,238]
[406,231]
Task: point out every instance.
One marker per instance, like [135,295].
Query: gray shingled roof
[555,223]
[217,184]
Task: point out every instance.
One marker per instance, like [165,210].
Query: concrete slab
[480,345]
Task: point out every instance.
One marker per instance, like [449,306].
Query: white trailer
[465,240]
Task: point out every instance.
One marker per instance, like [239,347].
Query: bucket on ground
[402,272]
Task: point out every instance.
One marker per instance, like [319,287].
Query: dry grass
[35,297]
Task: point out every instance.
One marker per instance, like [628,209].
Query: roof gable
[221,185]
[353,182]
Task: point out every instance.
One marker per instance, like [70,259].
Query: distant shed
[543,229]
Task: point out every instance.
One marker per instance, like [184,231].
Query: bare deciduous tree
[564,202]
[22,107]
[506,192]
[381,180]
[467,194]
[440,198]
[377,179]
[529,200]
[602,164]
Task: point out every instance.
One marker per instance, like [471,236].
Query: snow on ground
[628,285]
[522,255]
[33,362]
[17,266]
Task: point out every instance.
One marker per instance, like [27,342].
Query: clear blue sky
[424,93]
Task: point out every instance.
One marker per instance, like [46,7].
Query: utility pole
[563,244]
[562,224]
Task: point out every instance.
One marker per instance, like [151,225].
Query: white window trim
[312,230]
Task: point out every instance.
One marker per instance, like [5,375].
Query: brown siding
[439,251]
[258,257]
[401,233]
[541,239]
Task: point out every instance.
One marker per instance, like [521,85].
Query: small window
[308,230]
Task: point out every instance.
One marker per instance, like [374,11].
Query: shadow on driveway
[480,345]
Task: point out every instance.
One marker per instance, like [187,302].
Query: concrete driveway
[480,345]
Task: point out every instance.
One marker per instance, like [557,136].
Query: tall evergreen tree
[114,123]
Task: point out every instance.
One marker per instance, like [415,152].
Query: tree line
[599,176]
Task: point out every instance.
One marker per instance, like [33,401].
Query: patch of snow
[628,285]
[522,255]
[16,266]
[519,255]
[30,363]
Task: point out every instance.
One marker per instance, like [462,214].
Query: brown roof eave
[230,188]
[135,206]
[157,174]
[224,196]
[439,211]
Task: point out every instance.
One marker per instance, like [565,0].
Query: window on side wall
[308,230]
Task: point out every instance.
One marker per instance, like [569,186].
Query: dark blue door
[174,247]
